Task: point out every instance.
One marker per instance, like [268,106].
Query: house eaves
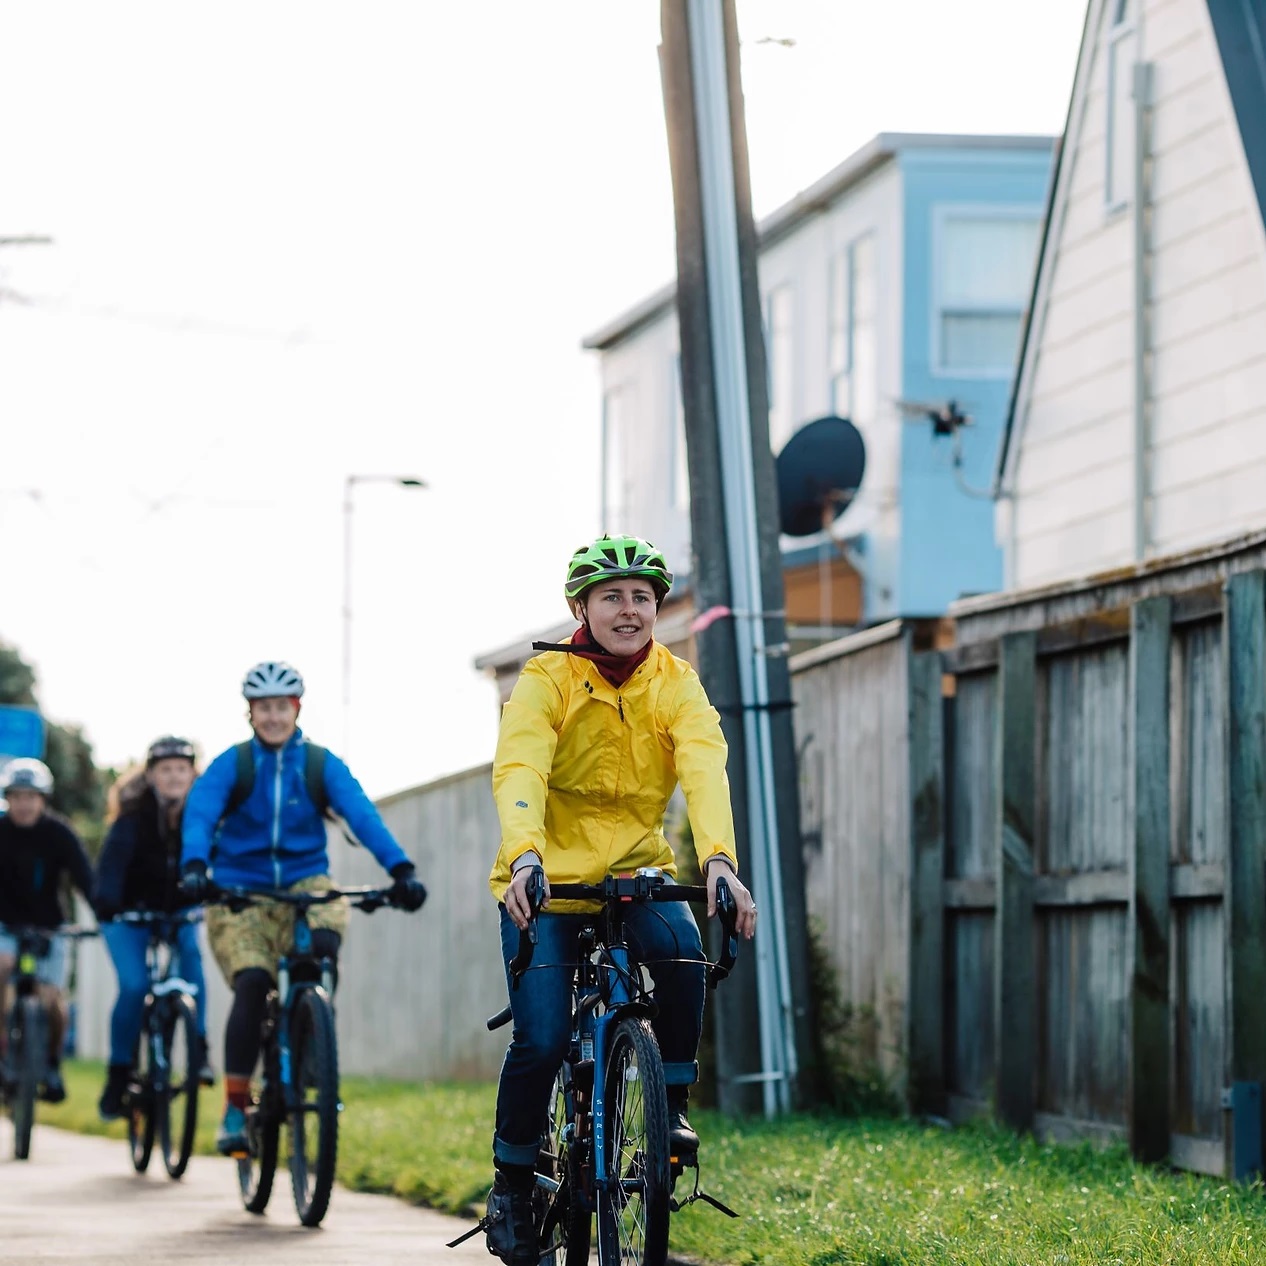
[1239,30]
[817,198]
[1056,201]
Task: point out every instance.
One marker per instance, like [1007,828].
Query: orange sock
[237,1091]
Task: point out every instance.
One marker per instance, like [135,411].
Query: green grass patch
[819,1191]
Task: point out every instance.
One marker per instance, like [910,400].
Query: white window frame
[1124,27]
[620,392]
[941,215]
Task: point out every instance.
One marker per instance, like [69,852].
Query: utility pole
[765,1034]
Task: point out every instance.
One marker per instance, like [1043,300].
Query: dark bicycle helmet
[167,747]
[616,558]
[26,774]
[271,679]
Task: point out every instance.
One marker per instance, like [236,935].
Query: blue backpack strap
[244,784]
[314,777]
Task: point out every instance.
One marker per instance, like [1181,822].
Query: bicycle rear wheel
[143,1097]
[566,1222]
[255,1170]
[26,1053]
[633,1206]
[179,1116]
[314,1114]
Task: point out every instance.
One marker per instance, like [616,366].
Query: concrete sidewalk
[79,1200]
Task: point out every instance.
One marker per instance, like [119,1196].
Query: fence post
[927,867]
[1015,1013]
[1244,645]
[1148,861]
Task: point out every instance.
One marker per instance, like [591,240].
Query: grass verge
[817,1191]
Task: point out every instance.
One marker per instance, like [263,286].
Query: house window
[1120,54]
[780,361]
[617,483]
[984,276]
[852,333]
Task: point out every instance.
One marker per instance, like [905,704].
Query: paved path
[78,1200]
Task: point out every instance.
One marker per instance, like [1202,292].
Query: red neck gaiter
[617,669]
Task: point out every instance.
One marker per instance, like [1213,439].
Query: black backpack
[313,776]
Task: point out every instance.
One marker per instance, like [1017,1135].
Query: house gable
[1089,480]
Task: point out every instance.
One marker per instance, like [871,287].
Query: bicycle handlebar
[237,899]
[624,888]
[151,918]
[72,931]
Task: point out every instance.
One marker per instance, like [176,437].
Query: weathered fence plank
[1148,1091]
[1015,1018]
[927,921]
[1244,639]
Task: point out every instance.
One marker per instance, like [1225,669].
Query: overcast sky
[295,241]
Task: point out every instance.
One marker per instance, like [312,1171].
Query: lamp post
[402,481]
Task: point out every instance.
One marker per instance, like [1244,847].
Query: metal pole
[1142,101]
[716,178]
[347,615]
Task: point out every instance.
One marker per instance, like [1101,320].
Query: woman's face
[274,720]
[171,778]
[621,614]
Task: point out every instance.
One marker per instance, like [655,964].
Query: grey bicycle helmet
[167,747]
[27,774]
[272,678]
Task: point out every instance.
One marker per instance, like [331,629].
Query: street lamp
[401,481]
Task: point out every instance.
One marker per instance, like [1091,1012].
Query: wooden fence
[1040,856]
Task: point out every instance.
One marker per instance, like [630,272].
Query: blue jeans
[542,1012]
[126,943]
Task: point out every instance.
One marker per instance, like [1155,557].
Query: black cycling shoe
[511,1223]
[54,1089]
[113,1101]
[683,1142]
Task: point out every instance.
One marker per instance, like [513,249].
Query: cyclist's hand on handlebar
[718,867]
[518,907]
[408,892]
[194,881]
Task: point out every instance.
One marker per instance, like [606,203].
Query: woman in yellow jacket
[597,734]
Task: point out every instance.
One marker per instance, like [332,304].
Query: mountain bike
[162,1092]
[299,1086]
[605,1147]
[25,1063]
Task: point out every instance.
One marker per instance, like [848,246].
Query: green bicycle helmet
[616,557]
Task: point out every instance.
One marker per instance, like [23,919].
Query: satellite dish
[820,470]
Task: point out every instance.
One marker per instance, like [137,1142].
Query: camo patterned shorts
[259,935]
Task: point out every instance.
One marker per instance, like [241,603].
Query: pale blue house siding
[947,537]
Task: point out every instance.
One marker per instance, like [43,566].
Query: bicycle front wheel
[179,1117]
[564,1218]
[633,1203]
[143,1095]
[26,1053]
[314,1109]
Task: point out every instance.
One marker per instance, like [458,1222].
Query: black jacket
[140,863]
[33,860]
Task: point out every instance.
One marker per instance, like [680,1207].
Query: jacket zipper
[277,820]
[619,703]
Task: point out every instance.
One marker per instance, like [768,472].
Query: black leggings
[250,1004]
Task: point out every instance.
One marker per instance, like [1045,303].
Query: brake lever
[727,913]
[534,890]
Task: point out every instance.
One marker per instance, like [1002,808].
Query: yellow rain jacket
[584,770]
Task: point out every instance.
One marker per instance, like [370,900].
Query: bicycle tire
[562,1212]
[256,1169]
[26,1033]
[178,1118]
[142,1095]
[314,1114]
[633,1212]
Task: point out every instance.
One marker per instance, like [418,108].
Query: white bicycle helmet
[27,774]
[271,679]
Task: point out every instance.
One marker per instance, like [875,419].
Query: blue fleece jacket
[276,837]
